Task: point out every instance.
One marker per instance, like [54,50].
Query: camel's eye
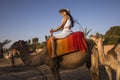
[96,41]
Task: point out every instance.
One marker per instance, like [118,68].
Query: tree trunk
[1,53]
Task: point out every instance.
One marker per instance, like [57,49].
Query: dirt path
[27,73]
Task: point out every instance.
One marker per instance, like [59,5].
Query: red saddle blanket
[72,43]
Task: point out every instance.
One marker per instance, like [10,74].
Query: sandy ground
[28,73]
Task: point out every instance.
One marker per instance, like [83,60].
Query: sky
[27,19]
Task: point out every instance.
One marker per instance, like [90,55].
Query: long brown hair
[68,13]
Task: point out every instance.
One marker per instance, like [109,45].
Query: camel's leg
[13,61]
[94,69]
[118,73]
[94,73]
[54,66]
[55,74]
[109,73]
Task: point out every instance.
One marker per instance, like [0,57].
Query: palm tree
[2,44]
[85,30]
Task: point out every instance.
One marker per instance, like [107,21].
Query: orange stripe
[72,43]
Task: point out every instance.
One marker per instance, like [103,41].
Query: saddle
[73,42]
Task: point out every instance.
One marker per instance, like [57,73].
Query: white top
[66,30]
[68,24]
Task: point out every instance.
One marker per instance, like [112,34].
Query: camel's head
[7,55]
[12,53]
[19,44]
[97,39]
[18,48]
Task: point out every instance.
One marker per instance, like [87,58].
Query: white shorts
[64,33]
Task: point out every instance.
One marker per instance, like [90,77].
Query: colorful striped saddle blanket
[72,43]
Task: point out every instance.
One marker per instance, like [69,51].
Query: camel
[117,50]
[69,61]
[110,60]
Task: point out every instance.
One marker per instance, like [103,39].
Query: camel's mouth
[16,53]
[94,38]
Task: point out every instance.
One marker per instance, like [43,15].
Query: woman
[66,25]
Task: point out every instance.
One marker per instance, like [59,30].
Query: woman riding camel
[66,25]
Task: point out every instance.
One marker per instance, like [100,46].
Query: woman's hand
[51,31]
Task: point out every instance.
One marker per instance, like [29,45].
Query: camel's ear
[91,35]
[102,39]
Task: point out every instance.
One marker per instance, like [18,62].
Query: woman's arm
[61,26]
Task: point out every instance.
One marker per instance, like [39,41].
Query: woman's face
[63,13]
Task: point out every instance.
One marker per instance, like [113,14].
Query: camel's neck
[101,52]
[34,60]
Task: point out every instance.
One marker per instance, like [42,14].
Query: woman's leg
[53,42]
